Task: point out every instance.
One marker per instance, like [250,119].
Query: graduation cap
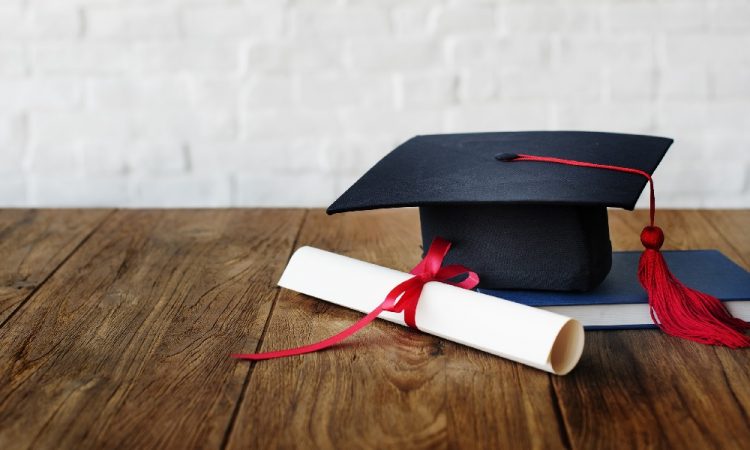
[528,210]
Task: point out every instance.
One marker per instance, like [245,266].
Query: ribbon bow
[402,298]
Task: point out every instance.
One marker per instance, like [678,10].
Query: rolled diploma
[531,336]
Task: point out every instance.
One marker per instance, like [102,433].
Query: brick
[473,19]
[272,189]
[274,124]
[683,83]
[389,54]
[662,17]
[13,60]
[66,127]
[232,21]
[427,89]
[81,57]
[338,21]
[356,154]
[40,94]
[734,201]
[134,157]
[635,83]
[731,84]
[12,191]
[677,117]
[105,158]
[477,86]
[680,117]
[627,117]
[195,56]
[12,160]
[13,136]
[55,159]
[506,116]
[334,90]
[269,91]
[411,20]
[610,51]
[181,191]
[158,157]
[291,153]
[288,56]
[41,23]
[700,177]
[727,116]
[215,92]
[150,93]
[77,191]
[551,18]
[726,50]
[687,146]
[733,146]
[185,124]
[131,23]
[730,15]
[401,124]
[576,83]
[519,51]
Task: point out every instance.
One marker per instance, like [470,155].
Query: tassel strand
[675,308]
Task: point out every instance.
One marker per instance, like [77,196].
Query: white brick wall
[286,102]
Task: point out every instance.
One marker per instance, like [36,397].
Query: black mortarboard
[519,226]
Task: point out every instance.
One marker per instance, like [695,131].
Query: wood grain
[643,389]
[734,228]
[127,344]
[33,244]
[127,320]
[389,387]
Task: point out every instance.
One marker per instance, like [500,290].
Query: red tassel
[681,311]
[675,308]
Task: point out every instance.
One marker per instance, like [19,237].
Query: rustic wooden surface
[115,330]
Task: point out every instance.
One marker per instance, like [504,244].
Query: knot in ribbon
[403,298]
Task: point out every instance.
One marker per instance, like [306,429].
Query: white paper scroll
[531,336]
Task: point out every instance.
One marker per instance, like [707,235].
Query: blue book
[620,301]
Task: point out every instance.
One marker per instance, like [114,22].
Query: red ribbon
[402,298]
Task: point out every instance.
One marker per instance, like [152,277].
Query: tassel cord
[675,308]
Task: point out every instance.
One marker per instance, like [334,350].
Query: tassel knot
[652,237]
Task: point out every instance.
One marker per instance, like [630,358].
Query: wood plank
[389,386]
[638,389]
[33,243]
[127,345]
[734,227]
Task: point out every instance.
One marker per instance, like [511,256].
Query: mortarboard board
[541,226]
[519,226]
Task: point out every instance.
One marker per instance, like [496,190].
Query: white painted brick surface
[232,21]
[131,23]
[42,23]
[13,60]
[181,191]
[285,103]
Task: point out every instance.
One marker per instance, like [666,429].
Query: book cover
[620,301]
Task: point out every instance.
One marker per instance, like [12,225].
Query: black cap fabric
[519,225]
[463,169]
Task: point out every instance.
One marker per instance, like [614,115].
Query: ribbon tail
[321,345]
[401,299]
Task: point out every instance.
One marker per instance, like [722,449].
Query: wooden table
[116,326]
